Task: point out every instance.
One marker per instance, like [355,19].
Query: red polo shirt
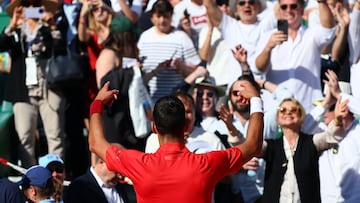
[173,173]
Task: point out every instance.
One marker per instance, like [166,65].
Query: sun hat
[49,5]
[210,82]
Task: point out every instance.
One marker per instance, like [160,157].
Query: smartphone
[34,12]
[283,26]
[186,14]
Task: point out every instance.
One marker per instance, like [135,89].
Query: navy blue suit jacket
[86,189]
[10,192]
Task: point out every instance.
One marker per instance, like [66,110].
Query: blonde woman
[93,29]
[292,170]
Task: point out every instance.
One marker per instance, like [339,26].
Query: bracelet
[263,85]
[256,105]
[96,107]
[81,21]
[203,63]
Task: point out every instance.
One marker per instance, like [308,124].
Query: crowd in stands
[212,57]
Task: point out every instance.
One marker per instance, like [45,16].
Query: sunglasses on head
[292,110]
[250,2]
[285,6]
[201,93]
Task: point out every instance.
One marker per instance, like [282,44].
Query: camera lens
[41,10]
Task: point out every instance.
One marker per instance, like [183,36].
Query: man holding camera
[293,60]
[246,31]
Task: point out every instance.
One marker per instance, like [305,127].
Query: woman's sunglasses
[292,110]
[201,93]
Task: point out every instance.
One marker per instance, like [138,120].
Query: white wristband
[256,105]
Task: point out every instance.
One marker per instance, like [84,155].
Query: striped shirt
[158,48]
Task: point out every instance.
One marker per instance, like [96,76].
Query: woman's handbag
[65,70]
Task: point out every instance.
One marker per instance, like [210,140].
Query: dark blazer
[10,192]
[305,165]
[16,90]
[86,189]
[117,121]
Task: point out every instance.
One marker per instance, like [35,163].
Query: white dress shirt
[296,63]
[340,172]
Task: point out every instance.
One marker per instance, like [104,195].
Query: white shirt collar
[97,178]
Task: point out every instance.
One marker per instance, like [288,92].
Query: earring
[279,134]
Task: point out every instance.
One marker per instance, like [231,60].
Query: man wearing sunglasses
[293,60]
[246,31]
[206,96]
[248,186]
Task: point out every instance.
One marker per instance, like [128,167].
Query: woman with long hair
[119,48]
[93,30]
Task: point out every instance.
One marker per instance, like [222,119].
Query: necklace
[293,146]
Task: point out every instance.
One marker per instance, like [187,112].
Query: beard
[241,109]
